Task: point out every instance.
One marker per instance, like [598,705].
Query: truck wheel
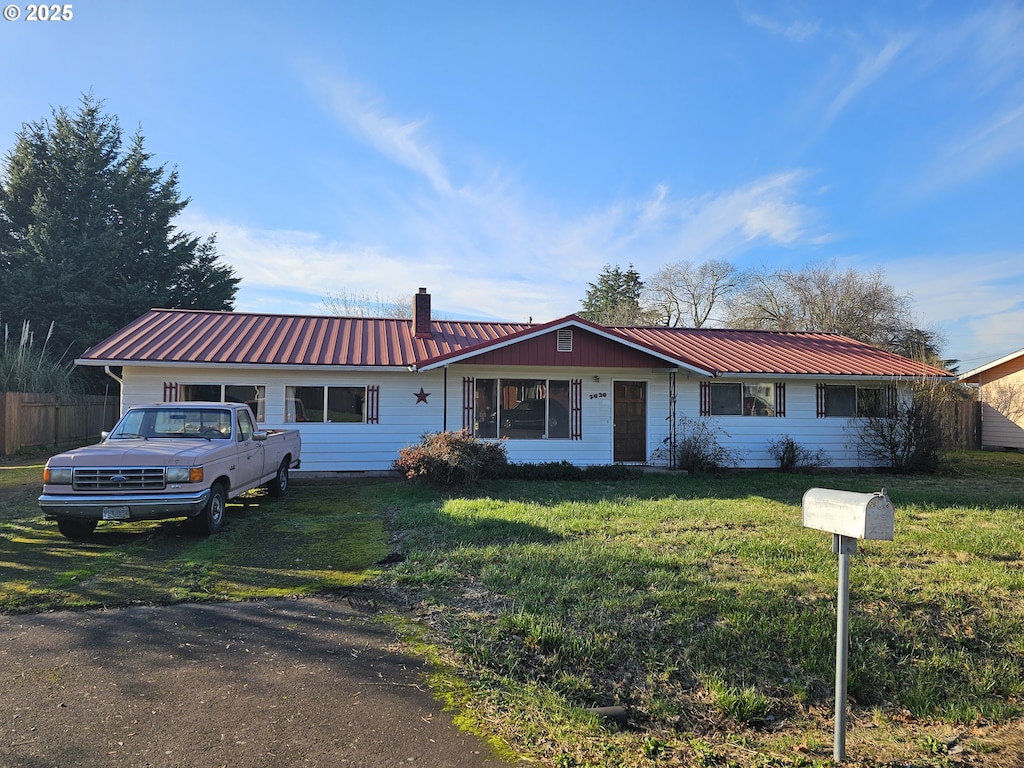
[74,529]
[279,485]
[211,519]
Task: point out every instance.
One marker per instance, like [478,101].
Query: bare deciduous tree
[686,293]
[345,303]
[823,298]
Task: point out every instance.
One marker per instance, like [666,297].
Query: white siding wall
[325,447]
[748,437]
[596,446]
[403,420]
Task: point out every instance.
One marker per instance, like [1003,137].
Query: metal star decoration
[421,396]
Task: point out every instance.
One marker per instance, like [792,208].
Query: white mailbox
[846,513]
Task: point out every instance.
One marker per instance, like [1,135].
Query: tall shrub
[909,437]
[451,459]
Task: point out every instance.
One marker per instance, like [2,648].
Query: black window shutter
[468,402]
[780,399]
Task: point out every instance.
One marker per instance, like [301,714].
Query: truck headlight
[184,474]
[57,475]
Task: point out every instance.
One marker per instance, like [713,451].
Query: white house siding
[404,418]
[748,438]
[597,396]
[325,447]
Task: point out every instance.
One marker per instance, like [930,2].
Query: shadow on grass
[638,593]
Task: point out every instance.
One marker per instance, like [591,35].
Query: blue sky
[500,154]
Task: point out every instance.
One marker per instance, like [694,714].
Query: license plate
[116,513]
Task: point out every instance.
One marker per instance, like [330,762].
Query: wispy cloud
[503,259]
[871,66]
[400,140]
[796,29]
[987,147]
[489,247]
[985,307]
[980,61]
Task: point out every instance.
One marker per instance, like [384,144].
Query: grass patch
[702,606]
[318,539]
[699,604]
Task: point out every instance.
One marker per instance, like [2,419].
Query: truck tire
[278,487]
[211,519]
[74,529]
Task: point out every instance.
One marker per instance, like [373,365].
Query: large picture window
[521,409]
[255,396]
[327,405]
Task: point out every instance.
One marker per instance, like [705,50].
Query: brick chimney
[421,314]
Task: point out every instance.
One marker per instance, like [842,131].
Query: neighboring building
[361,389]
[1001,391]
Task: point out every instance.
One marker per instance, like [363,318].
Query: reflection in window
[521,409]
[331,405]
[849,401]
[255,396]
[486,408]
[870,401]
[742,399]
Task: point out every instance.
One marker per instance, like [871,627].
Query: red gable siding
[588,351]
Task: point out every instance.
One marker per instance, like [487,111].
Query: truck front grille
[130,479]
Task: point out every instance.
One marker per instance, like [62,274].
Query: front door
[630,430]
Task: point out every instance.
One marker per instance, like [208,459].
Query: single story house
[361,389]
[1001,391]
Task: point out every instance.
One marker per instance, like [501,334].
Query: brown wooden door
[630,430]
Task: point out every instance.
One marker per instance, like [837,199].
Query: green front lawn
[698,604]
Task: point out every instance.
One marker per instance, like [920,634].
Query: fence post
[3,423]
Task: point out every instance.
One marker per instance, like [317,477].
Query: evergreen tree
[87,239]
[615,298]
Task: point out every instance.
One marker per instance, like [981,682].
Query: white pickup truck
[168,460]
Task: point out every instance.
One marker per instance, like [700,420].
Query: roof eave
[247,366]
[964,377]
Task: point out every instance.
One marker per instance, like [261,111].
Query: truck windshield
[209,423]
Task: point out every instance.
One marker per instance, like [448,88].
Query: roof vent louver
[564,343]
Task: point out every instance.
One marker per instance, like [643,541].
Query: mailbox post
[848,516]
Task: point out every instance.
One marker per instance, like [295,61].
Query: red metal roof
[723,350]
[207,337]
[195,336]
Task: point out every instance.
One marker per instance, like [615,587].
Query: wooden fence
[962,424]
[40,421]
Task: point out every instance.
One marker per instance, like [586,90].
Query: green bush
[452,459]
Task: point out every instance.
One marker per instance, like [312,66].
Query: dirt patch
[311,682]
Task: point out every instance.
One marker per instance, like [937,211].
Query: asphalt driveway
[311,682]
